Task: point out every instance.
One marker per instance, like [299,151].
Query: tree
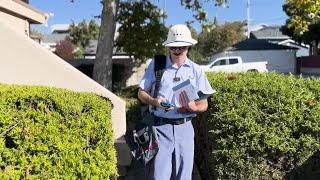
[311,37]
[302,13]
[197,7]
[83,32]
[102,70]
[141,30]
[215,38]
[65,49]
[303,24]
[195,52]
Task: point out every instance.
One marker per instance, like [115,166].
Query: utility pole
[248,19]
[164,9]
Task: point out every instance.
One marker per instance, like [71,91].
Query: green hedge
[260,126]
[133,105]
[48,133]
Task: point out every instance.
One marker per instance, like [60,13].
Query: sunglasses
[182,48]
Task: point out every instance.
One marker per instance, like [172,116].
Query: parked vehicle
[235,64]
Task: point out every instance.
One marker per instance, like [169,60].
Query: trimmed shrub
[260,126]
[48,133]
[133,105]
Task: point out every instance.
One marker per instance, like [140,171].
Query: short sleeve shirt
[188,70]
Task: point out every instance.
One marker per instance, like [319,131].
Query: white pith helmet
[179,35]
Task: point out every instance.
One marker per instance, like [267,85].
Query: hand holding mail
[187,105]
[189,93]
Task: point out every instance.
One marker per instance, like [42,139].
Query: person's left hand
[186,104]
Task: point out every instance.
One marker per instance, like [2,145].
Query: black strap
[159,67]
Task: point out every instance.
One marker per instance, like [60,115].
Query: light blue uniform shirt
[188,70]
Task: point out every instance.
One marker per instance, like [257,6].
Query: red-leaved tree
[65,49]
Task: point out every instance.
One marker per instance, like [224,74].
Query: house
[280,58]
[274,35]
[59,33]
[35,65]
[19,15]
[126,71]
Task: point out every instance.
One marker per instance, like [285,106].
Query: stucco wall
[19,25]
[25,62]
[23,11]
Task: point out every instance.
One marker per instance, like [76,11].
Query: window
[219,63]
[233,61]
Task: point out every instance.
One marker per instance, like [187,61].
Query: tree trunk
[102,69]
[317,48]
[314,48]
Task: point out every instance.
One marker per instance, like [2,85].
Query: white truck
[234,64]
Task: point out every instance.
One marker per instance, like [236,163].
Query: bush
[65,49]
[133,105]
[260,126]
[48,133]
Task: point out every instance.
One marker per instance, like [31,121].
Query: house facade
[126,71]
[59,33]
[274,35]
[280,58]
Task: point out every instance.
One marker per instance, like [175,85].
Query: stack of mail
[188,88]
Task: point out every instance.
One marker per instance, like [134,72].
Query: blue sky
[261,11]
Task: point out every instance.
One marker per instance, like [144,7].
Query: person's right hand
[160,99]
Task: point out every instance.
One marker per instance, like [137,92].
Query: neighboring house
[274,35]
[28,63]
[280,58]
[258,27]
[126,72]
[60,29]
[59,33]
[50,41]
[303,50]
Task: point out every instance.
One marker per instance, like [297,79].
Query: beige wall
[25,11]
[18,24]
[18,15]
[25,62]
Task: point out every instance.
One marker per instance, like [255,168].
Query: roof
[258,44]
[91,49]
[23,10]
[54,38]
[60,28]
[258,27]
[271,32]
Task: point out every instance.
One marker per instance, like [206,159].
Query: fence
[308,65]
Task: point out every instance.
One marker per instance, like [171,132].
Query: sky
[261,11]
